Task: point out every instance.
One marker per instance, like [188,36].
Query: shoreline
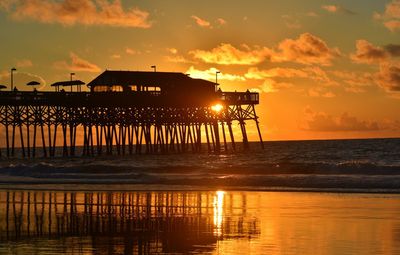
[181,188]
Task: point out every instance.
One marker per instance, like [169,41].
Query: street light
[12,77]
[155,68]
[72,74]
[216,79]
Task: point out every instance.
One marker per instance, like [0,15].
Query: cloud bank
[72,12]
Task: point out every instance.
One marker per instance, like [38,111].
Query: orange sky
[324,69]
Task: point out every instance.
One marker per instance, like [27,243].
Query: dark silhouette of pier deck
[126,113]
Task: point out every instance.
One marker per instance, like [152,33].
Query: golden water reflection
[218,212]
[221,222]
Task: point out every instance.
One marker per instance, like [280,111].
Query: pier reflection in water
[122,222]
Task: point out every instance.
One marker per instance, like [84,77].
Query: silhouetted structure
[127,112]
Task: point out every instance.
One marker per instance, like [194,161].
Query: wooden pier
[177,115]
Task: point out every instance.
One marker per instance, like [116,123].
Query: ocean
[371,165]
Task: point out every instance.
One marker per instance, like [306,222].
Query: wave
[320,176]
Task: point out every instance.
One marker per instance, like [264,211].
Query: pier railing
[142,98]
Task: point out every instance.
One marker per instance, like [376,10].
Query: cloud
[368,53]
[391,16]
[115,56]
[393,49]
[271,86]
[72,12]
[201,22]
[313,73]
[177,59]
[308,49]
[77,64]
[24,63]
[210,74]
[226,54]
[355,82]
[337,9]
[389,77]
[172,50]
[320,92]
[21,79]
[291,22]
[311,14]
[131,51]
[323,122]
[221,21]
[256,74]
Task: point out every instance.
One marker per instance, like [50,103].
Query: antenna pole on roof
[154,68]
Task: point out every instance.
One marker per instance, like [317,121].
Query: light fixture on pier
[154,68]
[12,77]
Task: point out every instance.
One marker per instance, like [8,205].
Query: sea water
[334,165]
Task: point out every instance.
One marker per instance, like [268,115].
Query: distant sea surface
[371,165]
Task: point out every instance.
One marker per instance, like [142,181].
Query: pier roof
[162,79]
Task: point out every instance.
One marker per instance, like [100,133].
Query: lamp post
[154,68]
[71,75]
[12,77]
[216,79]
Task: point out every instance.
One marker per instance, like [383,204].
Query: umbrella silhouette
[33,83]
[3,86]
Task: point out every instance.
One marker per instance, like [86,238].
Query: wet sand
[197,222]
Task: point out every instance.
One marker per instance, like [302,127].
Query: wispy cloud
[72,12]
[291,22]
[21,79]
[337,9]
[24,63]
[391,16]
[323,122]
[272,86]
[201,22]
[77,64]
[221,21]
[209,74]
[115,56]
[130,51]
[257,74]
[227,54]
[320,92]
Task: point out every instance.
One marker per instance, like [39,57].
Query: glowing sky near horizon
[324,69]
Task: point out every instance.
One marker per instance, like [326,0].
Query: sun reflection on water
[218,212]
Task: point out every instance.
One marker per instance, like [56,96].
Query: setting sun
[217,107]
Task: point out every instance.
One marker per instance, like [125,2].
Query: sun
[217,107]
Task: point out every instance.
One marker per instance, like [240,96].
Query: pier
[126,112]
